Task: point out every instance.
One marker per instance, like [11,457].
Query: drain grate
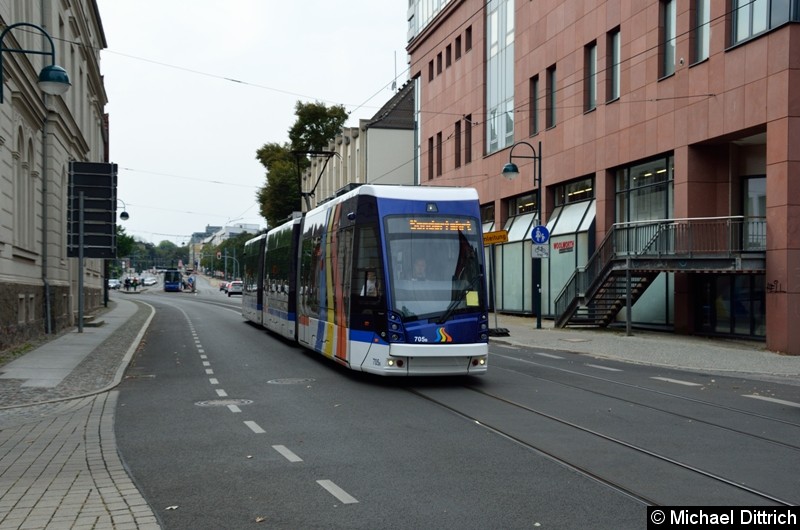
[223,402]
[291,381]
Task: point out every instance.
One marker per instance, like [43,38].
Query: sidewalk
[59,466]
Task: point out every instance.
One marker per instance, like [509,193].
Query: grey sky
[195,87]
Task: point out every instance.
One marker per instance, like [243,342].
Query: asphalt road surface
[224,426]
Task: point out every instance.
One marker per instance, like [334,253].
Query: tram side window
[368,280]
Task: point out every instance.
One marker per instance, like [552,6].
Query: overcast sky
[195,87]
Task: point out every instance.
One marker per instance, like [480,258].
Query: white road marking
[234,408]
[254,427]
[290,456]
[337,492]
[221,393]
[213,381]
[676,381]
[550,355]
[773,400]
[201,350]
[206,363]
[209,371]
[204,356]
[599,367]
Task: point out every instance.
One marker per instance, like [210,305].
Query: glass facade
[499,74]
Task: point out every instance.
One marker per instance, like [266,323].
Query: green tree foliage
[315,126]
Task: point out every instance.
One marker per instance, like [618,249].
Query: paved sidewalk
[59,466]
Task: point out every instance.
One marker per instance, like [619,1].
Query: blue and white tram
[382,282]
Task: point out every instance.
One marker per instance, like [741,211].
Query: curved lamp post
[511,171]
[53,79]
[124,215]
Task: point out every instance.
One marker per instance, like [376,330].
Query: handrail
[680,237]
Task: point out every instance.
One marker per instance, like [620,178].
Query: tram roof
[388,191]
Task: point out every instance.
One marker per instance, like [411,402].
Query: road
[224,426]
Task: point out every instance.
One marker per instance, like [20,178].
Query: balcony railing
[693,238]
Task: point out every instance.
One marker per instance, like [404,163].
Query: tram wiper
[457,300]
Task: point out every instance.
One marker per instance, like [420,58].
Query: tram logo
[443,336]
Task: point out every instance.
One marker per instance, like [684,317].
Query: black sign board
[98,182]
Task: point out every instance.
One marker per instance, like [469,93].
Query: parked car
[235,287]
[114,283]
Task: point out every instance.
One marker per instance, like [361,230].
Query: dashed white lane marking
[290,456]
[599,367]
[221,393]
[676,381]
[336,491]
[201,350]
[213,381]
[254,427]
[548,355]
[234,408]
[206,363]
[773,400]
[204,356]
[209,371]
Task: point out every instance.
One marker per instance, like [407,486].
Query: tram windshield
[434,265]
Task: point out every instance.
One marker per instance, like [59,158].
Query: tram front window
[434,265]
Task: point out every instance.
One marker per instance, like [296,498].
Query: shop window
[575,191]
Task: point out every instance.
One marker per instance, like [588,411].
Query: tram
[173,280]
[382,279]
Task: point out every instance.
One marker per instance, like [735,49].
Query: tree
[315,126]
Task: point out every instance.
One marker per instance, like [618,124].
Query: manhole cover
[223,402]
[290,381]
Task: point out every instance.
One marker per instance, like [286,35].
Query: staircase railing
[689,238]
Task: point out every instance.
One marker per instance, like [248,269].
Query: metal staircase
[632,255]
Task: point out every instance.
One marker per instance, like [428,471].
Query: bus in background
[381,281]
[173,280]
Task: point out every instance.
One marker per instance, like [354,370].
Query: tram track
[662,393]
[641,457]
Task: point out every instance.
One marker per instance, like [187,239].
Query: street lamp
[53,79]
[511,171]
[124,215]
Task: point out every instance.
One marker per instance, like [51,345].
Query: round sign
[540,235]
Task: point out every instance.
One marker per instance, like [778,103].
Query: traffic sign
[491,238]
[540,235]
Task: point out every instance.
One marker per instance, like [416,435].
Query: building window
[644,191]
[439,63]
[590,76]
[753,17]
[575,191]
[468,39]
[522,204]
[430,71]
[499,74]
[430,158]
[487,213]
[550,110]
[468,139]
[458,47]
[438,154]
[533,105]
[613,65]
[701,30]
[448,56]
[457,134]
[667,37]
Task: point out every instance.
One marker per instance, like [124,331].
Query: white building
[39,135]
[378,151]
